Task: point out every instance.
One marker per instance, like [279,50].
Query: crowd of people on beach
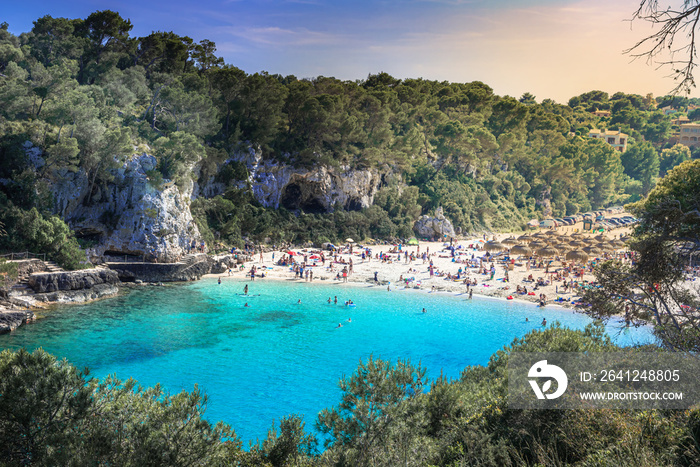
[472,267]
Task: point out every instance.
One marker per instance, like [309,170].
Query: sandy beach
[396,272]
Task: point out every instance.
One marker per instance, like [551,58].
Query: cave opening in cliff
[292,198]
[353,204]
[312,206]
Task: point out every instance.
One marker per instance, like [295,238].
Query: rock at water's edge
[11,320]
[73,280]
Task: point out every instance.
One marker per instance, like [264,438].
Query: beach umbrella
[538,244]
[592,251]
[577,255]
[601,238]
[521,250]
[510,241]
[291,253]
[350,240]
[618,245]
[552,232]
[547,252]
[494,246]
[576,243]
[539,234]
[605,246]
[525,238]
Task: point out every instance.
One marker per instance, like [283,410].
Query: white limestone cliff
[130,215]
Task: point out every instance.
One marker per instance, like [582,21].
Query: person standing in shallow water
[245,290]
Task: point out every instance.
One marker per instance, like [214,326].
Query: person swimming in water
[246,305]
[339,326]
[349,320]
[329,300]
[299,302]
[336,300]
[544,321]
[424,310]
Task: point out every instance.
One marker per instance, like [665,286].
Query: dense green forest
[89,96]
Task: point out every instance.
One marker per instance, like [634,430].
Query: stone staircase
[22,285]
[53,267]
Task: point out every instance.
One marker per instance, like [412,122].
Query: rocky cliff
[135,215]
[312,190]
[131,215]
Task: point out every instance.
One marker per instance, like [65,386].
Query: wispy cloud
[281,37]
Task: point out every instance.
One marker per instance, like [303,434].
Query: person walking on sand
[311,276]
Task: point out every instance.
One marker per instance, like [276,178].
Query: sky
[553,49]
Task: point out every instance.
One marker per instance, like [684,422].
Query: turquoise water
[277,357]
